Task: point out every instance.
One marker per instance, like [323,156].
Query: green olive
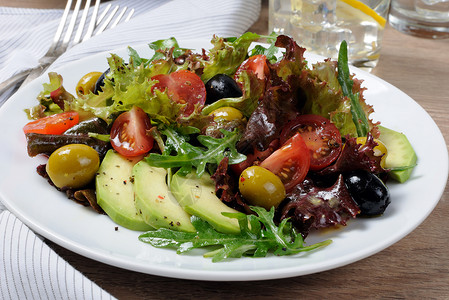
[261,187]
[227,113]
[87,83]
[73,165]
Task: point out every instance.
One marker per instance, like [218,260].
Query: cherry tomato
[184,87]
[290,163]
[129,133]
[54,124]
[321,137]
[256,64]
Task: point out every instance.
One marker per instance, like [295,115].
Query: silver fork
[59,46]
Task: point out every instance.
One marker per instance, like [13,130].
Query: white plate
[81,230]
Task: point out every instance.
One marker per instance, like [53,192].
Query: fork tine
[80,29]
[103,14]
[54,51]
[69,31]
[129,15]
[106,23]
[60,26]
[93,21]
[119,17]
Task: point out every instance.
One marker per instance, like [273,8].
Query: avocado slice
[400,153]
[115,193]
[155,202]
[197,197]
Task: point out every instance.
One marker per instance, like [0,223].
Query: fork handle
[5,85]
[34,73]
[25,76]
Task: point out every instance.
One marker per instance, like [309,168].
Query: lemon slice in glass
[354,9]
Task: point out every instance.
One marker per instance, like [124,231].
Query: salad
[241,151]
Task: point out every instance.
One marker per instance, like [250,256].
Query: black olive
[368,191]
[221,86]
[100,82]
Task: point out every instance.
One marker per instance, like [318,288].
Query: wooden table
[417,267]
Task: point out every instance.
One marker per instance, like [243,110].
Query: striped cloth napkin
[29,269]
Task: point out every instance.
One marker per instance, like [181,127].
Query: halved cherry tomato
[54,124]
[184,87]
[291,162]
[129,133]
[321,137]
[256,64]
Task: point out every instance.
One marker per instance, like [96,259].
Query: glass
[422,18]
[321,25]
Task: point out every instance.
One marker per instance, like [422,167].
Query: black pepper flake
[124,182]
[116,228]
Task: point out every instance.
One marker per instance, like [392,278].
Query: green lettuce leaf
[325,98]
[126,86]
[53,99]
[293,62]
[226,56]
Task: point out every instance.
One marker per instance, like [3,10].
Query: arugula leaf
[189,156]
[358,115]
[226,56]
[135,58]
[272,52]
[160,46]
[230,39]
[258,236]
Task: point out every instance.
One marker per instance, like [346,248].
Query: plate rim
[201,274]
